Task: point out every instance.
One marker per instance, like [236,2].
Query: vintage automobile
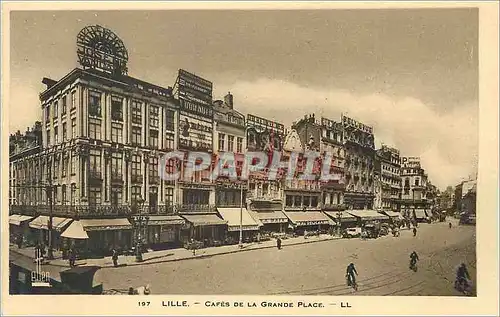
[352,232]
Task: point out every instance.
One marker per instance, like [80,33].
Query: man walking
[278,243]
[350,274]
[115,258]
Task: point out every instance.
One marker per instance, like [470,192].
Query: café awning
[42,222]
[366,214]
[344,216]
[17,220]
[232,216]
[105,224]
[269,217]
[165,220]
[391,213]
[75,231]
[308,218]
[204,220]
[420,214]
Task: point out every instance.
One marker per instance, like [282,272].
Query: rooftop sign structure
[101,49]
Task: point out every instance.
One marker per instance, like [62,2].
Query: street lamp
[138,220]
[241,216]
[339,217]
[49,189]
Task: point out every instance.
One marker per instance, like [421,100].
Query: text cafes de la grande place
[94,162]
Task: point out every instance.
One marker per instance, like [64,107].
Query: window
[153,168]
[117,109]
[169,122]
[239,145]
[64,167]
[289,200]
[73,128]
[95,129]
[116,196]
[95,197]
[221,141]
[73,194]
[116,165]
[64,193]
[136,135]
[417,182]
[64,105]
[154,116]
[73,164]
[95,162]
[55,113]
[230,143]
[169,141]
[169,196]
[116,133]
[153,138]
[47,114]
[73,100]
[136,112]
[136,194]
[56,136]
[136,165]
[56,168]
[48,137]
[64,132]
[95,103]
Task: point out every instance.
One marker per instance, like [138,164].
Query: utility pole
[50,191]
[241,215]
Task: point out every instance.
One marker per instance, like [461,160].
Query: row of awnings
[234,218]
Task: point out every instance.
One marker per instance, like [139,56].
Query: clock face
[99,48]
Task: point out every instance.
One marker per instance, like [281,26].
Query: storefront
[208,228]
[19,228]
[419,215]
[343,219]
[272,221]
[164,231]
[309,221]
[239,218]
[39,230]
[104,235]
[368,216]
[395,217]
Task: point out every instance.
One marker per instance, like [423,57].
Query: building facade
[414,189]
[388,171]
[359,147]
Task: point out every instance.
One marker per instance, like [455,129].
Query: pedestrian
[414,231]
[305,234]
[449,225]
[131,291]
[350,274]
[72,257]
[278,243]
[115,258]
[193,246]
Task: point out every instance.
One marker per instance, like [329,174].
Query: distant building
[359,145]
[388,168]
[414,203]
[461,190]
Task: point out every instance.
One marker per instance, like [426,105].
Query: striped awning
[204,220]
[232,216]
[366,214]
[17,220]
[42,222]
[75,231]
[269,217]
[308,218]
[105,224]
[165,220]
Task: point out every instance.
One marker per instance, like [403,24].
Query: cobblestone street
[315,268]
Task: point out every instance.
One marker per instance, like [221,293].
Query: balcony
[264,197]
[334,207]
[136,179]
[95,177]
[70,211]
[154,179]
[116,178]
[195,208]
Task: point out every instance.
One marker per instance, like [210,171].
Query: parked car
[352,232]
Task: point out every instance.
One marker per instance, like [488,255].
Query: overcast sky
[411,74]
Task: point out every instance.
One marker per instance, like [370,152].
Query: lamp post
[241,216]
[339,217]
[50,190]
[138,220]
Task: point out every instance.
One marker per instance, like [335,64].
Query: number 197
[141,304]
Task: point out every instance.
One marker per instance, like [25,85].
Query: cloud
[447,143]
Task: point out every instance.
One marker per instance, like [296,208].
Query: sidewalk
[173,255]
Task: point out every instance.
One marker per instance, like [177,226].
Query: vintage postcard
[285,158]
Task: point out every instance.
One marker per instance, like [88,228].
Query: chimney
[48,82]
[228,100]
